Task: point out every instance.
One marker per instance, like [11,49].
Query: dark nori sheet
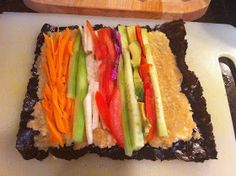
[196,150]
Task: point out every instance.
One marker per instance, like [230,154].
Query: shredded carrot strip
[55,134]
[70,46]
[58,107]
[62,48]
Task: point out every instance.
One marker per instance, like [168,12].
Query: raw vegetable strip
[108,99]
[125,120]
[144,70]
[73,68]
[81,92]
[133,109]
[88,117]
[58,108]
[92,66]
[161,124]
[95,110]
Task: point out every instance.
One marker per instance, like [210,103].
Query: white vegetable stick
[88,117]
[89,41]
[82,33]
[85,39]
[95,108]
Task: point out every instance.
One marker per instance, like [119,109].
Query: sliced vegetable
[88,117]
[57,106]
[103,108]
[125,120]
[105,37]
[117,45]
[161,124]
[87,41]
[135,50]
[131,34]
[133,109]
[54,134]
[146,124]
[108,83]
[81,92]
[73,69]
[149,100]
[91,116]
[95,111]
[140,40]
[96,46]
[116,117]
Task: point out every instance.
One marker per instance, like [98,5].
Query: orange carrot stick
[53,132]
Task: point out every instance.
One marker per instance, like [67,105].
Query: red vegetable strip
[149,99]
[115,117]
[102,108]
[108,82]
[106,38]
[140,40]
[95,39]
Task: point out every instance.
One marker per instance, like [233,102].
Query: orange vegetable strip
[66,64]
[54,132]
[45,67]
[46,38]
[62,48]
[66,122]
[58,113]
[57,51]
[70,46]
[53,49]
[51,66]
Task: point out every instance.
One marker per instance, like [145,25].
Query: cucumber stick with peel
[73,68]
[161,124]
[81,92]
[135,121]
[125,121]
[135,51]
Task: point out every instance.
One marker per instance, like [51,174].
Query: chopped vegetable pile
[102,79]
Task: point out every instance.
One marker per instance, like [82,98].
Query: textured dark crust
[193,150]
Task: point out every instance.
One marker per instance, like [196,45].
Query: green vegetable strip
[125,120]
[81,92]
[146,123]
[131,33]
[135,51]
[135,122]
[161,124]
[73,69]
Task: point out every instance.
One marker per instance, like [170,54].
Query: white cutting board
[207,42]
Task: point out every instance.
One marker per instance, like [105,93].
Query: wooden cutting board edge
[188,10]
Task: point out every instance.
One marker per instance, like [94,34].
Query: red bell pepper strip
[103,108]
[108,83]
[115,117]
[96,43]
[140,40]
[101,75]
[109,56]
[106,38]
[149,99]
